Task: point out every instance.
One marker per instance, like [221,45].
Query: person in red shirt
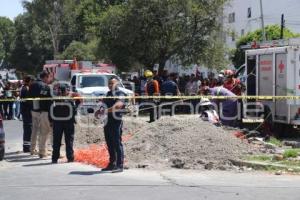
[232,84]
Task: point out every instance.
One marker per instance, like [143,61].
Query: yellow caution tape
[269,98]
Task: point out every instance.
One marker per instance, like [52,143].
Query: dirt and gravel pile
[185,142]
[90,131]
[178,142]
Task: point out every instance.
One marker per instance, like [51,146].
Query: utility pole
[282,26]
[262,21]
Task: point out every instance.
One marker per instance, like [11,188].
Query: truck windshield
[95,81]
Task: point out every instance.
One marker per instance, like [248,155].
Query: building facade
[243,16]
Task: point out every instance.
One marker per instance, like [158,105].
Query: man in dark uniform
[113,126]
[62,119]
[26,114]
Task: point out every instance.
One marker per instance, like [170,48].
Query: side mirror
[90,110]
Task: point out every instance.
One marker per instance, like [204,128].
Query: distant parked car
[2,139]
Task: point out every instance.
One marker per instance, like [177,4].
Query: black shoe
[71,160]
[26,149]
[54,162]
[118,170]
[110,167]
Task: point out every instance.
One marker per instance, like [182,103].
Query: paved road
[26,177]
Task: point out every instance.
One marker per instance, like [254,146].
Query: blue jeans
[16,109]
[113,138]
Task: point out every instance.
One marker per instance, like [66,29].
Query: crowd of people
[153,84]
[189,85]
[10,99]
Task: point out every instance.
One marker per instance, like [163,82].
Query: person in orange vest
[152,89]
[74,65]
[232,84]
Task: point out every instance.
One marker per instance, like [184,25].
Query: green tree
[152,31]
[79,50]
[272,33]
[7,35]
[58,18]
[88,15]
[32,45]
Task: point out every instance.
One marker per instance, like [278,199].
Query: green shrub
[291,153]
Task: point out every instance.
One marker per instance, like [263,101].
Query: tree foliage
[272,33]
[126,32]
[79,50]
[152,31]
[32,45]
[7,34]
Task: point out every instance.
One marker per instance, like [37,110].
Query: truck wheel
[288,131]
[279,129]
[2,152]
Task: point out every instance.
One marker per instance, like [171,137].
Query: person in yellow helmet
[152,89]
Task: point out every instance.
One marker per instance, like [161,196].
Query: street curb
[263,165]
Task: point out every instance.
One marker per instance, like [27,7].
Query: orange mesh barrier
[96,155]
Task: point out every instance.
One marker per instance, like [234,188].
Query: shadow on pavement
[19,160]
[17,157]
[13,153]
[88,173]
[39,164]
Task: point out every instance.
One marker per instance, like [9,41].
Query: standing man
[26,114]
[170,88]
[152,89]
[8,105]
[40,122]
[192,89]
[62,118]
[113,126]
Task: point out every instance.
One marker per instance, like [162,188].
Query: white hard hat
[205,102]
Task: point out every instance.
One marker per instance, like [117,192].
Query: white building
[243,16]
[173,66]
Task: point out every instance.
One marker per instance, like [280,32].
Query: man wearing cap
[62,119]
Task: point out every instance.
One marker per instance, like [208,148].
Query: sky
[11,8]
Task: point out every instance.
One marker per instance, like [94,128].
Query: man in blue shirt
[169,88]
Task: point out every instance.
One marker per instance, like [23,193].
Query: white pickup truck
[93,85]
